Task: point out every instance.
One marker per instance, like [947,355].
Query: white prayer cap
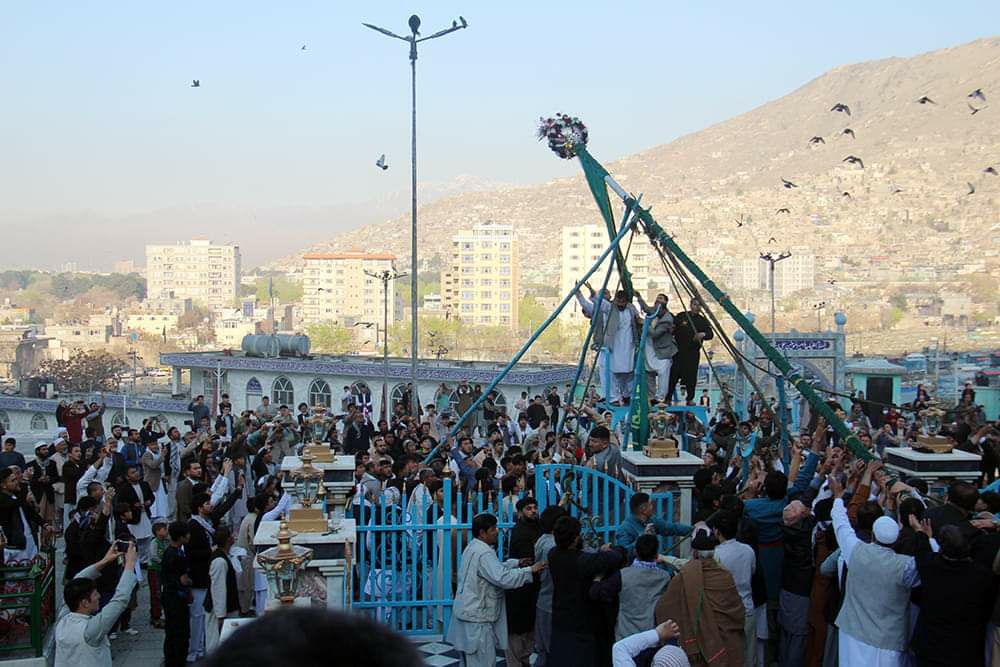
[41,443]
[886,530]
[671,656]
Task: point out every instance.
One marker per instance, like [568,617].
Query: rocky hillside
[918,160]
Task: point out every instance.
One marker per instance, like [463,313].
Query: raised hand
[668,630]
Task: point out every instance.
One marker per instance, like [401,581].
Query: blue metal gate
[408,555]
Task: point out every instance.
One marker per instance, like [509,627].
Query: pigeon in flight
[831,281]
[974,110]
[990,170]
[977,94]
[846,195]
[853,159]
[381,163]
[895,189]
[303,47]
[817,140]
[926,100]
[842,108]
[739,223]
[788,184]
[782,210]
[972,189]
[772,240]
[848,131]
[465,24]
[195,83]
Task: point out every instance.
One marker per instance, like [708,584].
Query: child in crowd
[156,548]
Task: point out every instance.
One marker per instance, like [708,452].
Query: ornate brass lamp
[284,566]
[308,480]
[319,426]
[931,420]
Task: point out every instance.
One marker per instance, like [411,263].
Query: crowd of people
[814,557]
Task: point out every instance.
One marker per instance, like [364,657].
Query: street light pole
[412,40]
[818,307]
[386,277]
[771,259]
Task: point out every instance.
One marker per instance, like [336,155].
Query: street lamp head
[415,24]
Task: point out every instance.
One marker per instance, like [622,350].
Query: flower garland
[564,133]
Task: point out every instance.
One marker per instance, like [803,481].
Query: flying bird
[926,100]
[895,189]
[831,281]
[849,131]
[739,223]
[782,210]
[977,94]
[974,110]
[853,159]
[788,184]
[381,164]
[817,140]
[990,170]
[842,108]
[303,47]
[195,83]
[846,194]
[465,24]
[972,189]
[772,240]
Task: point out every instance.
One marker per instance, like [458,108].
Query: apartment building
[582,245]
[206,273]
[336,287]
[483,285]
[794,273]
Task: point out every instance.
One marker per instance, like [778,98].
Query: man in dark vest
[521,601]
[223,600]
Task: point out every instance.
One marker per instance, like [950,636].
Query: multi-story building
[581,246]
[199,270]
[483,285]
[335,286]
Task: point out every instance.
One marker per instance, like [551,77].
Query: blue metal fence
[407,555]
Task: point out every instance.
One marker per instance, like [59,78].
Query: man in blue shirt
[466,462]
[641,521]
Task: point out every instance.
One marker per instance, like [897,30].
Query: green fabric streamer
[640,394]
[595,174]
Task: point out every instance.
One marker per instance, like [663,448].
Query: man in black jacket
[576,619]
[202,525]
[521,601]
[15,513]
[956,599]
[175,583]
[691,329]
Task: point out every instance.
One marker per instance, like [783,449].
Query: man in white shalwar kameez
[873,621]
[479,615]
[588,306]
[621,338]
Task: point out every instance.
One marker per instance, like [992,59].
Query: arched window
[254,392]
[39,422]
[4,420]
[119,418]
[282,392]
[320,394]
[396,397]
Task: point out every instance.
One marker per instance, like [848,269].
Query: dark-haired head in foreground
[310,637]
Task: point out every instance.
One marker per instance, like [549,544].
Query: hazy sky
[96,110]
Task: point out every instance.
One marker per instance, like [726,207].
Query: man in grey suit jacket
[660,344]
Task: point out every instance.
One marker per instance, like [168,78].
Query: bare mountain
[918,160]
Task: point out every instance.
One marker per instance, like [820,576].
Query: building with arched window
[312,380]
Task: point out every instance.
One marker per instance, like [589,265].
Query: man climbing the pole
[588,306]
[660,345]
[691,329]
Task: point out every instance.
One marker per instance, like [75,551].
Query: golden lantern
[284,566]
[308,480]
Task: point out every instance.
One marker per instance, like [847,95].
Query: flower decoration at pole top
[564,133]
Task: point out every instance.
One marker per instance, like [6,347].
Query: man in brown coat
[704,602]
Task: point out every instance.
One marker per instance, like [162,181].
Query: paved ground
[144,649]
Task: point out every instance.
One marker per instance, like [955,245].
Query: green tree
[332,338]
[284,289]
[898,300]
[530,313]
[85,371]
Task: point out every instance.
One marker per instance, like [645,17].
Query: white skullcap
[41,443]
[885,530]
[671,656]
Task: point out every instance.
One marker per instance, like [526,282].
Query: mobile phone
[122,545]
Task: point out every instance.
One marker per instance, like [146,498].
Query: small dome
[738,336]
[750,316]
[840,319]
